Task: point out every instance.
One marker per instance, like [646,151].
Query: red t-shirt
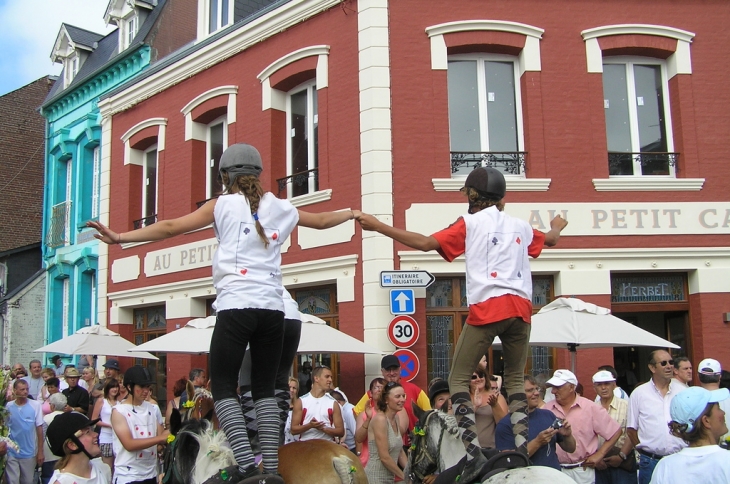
[453,244]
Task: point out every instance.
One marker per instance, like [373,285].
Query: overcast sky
[29,29]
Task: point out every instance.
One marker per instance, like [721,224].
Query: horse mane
[213,453]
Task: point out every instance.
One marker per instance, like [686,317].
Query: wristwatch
[622,455]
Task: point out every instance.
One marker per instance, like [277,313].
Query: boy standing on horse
[497,248]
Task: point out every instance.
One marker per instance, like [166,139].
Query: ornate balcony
[509,162]
[652,163]
[144,222]
[59,231]
[299,182]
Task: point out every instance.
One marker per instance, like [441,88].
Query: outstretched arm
[556,226]
[161,230]
[325,220]
[411,239]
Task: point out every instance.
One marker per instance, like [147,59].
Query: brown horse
[319,462]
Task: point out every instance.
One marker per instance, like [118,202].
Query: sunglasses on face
[664,363]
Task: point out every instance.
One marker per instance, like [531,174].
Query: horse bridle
[419,452]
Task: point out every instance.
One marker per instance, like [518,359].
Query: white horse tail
[214,454]
[344,469]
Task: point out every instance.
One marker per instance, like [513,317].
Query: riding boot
[464,413]
[249,413]
[518,417]
[282,401]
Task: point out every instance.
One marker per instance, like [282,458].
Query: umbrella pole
[573,348]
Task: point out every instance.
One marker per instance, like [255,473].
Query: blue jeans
[646,468]
[615,475]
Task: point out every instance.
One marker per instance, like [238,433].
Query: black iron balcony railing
[58,231]
[203,202]
[144,222]
[511,162]
[652,163]
[299,182]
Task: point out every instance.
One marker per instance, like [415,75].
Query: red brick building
[610,114]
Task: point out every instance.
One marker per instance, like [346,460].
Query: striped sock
[464,413]
[267,417]
[232,422]
[518,417]
[249,413]
[282,401]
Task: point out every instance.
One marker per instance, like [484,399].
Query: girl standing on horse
[385,440]
[251,225]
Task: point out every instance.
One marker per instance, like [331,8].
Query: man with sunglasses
[649,416]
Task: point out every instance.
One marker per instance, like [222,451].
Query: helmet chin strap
[80,447]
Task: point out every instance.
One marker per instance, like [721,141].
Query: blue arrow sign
[402,301]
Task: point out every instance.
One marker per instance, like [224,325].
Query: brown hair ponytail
[250,187]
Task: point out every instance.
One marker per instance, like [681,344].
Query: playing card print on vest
[505,260]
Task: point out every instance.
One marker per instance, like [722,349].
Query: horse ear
[417,411]
[175,421]
[190,389]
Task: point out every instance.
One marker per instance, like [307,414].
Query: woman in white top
[699,421]
[72,436]
[250,225]
[103,411]
[137,426]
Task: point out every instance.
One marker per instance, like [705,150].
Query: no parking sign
[403,331]
[409,364]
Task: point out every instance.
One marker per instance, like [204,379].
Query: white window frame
[94,302]
[131,25]
[208,156]
[483,103]
[144,179]
[633,114]
[72,68]
[95,183]
[68,197]
[66,302]
[310,87]
[219,10]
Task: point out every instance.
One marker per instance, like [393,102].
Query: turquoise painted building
[93,64]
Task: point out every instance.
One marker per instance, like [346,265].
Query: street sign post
[406,279]
[402,301]
[409,364]
[403,331]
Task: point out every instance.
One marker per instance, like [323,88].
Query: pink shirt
[588,420]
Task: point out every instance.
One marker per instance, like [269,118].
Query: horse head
[435,445]
[194,434]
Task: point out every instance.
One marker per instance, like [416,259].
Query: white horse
[437,446]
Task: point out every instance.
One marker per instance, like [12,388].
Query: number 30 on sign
[403,331]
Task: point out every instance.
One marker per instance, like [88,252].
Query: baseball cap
[240,159]
[689,404]
[561,377]
[63,427]
[112,364]
[438,387]
[389,361]
[603,376]
[708,366]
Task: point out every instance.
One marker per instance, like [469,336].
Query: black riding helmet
[137,375]
[63,427]
[488,182]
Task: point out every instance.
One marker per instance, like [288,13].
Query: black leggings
[234,329]
[292,334]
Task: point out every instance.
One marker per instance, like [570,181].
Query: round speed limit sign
[403,331]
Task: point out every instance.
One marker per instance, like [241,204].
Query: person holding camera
[545,431]
[589,421]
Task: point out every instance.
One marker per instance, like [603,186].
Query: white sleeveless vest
[246,274]
[506,267]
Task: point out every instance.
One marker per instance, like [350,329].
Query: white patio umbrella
[317,337]
[95,340]
[574,324]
